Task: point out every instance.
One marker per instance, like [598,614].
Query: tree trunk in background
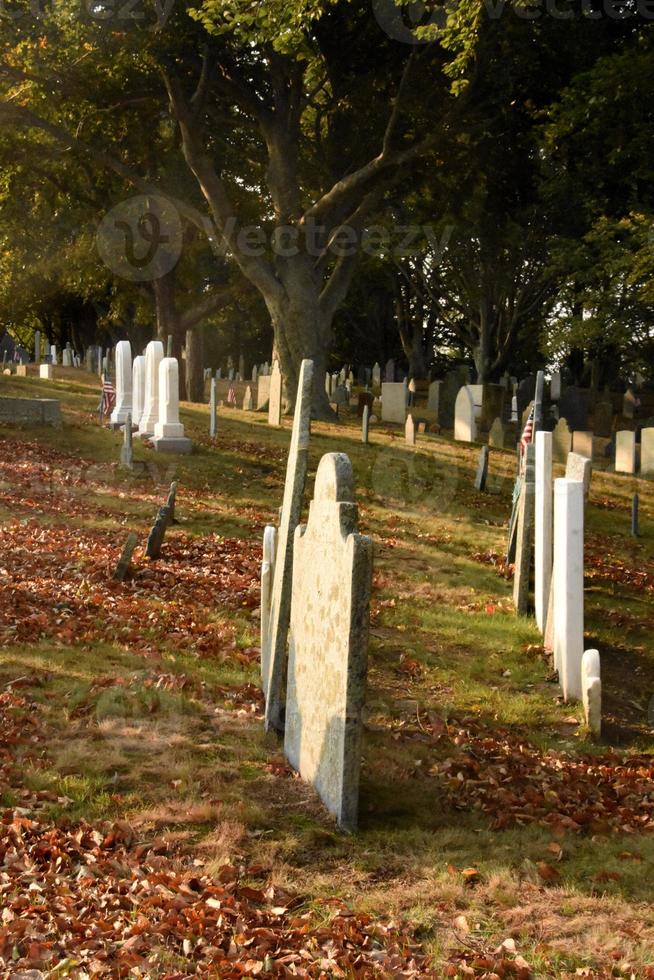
[168,321]
[194,367]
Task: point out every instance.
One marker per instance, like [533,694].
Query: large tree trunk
[482,350]
[194,367]
[168,321]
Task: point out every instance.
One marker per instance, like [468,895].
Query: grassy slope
[189,759]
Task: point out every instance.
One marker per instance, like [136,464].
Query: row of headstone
[314,622]
[147,390]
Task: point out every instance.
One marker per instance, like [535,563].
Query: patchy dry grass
[138,724]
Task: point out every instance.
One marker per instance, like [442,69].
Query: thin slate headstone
[267,576]
[328,641]
[481,476]
[525,534]
[127,451]
[213,410]
[126,557]
[275,402]
[365,425]
[273,656]
[157,533]
[635,529]
[171,501]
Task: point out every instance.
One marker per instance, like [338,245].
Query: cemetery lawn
[147,815]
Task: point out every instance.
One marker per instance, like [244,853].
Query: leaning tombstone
[126,556]
[524,538]
[157,533]
[267,575]
[580,468]
[481,476]
[171,500]
[591,690]
[273,656]
[328,640]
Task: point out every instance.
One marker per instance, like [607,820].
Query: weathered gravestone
[389,372]
[169,432]
[625,452]
[150,417]
[263,392]
[467,410]
[275,403]
[481,476]
[247,400]
[376,376]
[561,441]
[394,400]
[123,405]
[365,425]
[157,533]
[568,585]
[46,372]
[126,450]
[524,538]
[583,444]
[31,411]
[410,431]
[273,655]
[579,468]
[647,452]
[603,419]
[328,641]
[542,526]
[497,435]
[138,389]
[125,557]
[213,409]
[635,505]
[591,690]
[267,575]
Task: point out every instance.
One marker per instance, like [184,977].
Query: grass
[170,738]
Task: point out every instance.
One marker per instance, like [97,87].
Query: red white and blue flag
[527,436]
[231,395]
[108,399]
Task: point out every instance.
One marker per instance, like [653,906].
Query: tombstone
[393,402]
[37,346]
[603,419]
[389,371]
[341,396]
[46,372]
[88,360]
[625,451]
[591,691]
[555,386]
[126,450]
[159,528]
[524,535]
[635,503]
[169,432]
[497,435]
[21,370]
[582,444]
[230,374]
[630,404]
[365,398]
[219,374]
[410,431]
[53,354]
[255,374]
[138,389]
[433,396]
[568,585]
[275,403]
[328,385]
[123,404]
[467,410]
[561,441]
[66,358]
[376,376]
[579,468]
[213,410]
[573,407]
[647,452]
[263,392]
[328,641]
[267,575]
[481,476]
[153,356]
[273,655]
[365,425]
[247,400]
[125,557]
[542,526]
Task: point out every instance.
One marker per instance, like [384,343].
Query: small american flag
[528,433]
[231,396]
[108,399]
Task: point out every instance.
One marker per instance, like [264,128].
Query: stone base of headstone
[165,444]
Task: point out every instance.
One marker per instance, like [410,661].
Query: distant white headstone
[123,405]
[154,353]
[169,432]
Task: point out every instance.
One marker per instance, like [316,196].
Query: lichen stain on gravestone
[328,641]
